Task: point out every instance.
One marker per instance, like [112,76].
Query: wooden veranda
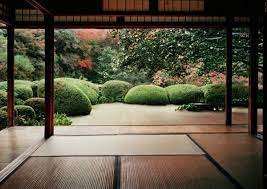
[225,14]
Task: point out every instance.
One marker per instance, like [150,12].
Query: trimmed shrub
[214,94]
[23,92]
[147,94]
[4,109]
[87,83]
[3,84]
[240,95]
[38,104]
[3,119]
[184,94]
[69,99]
[115,90]
[3,98]
[25,112]
[89,89]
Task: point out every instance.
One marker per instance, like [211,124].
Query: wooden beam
[265,102]
[10,66]
[40,6]
[49,76]
[253,77]
[229,72]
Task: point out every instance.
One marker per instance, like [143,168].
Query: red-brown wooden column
[229,72]
[265,102]
[49,76]
[253,77]
[10,66]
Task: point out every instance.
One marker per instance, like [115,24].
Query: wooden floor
[230,158]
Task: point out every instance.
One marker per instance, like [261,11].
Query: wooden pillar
[10,66]
[253,77]
[265,102]
[49,76]
[229,72]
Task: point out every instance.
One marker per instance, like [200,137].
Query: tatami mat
[63,173]
[118,145]
[239,154]
[173,172]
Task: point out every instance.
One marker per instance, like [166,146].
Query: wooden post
[265,102]
[49,76]
[10,66]
[253,77]
[229,73]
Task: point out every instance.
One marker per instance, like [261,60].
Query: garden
[182,67]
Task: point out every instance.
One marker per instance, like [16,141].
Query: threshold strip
[117,173]
[219,167]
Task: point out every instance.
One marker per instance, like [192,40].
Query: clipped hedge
[24,111]
[38,104]
[115,90]
[147,94]
[84,82]
[69,99]
[91,90]
[184,94]
[215,94]
[3,98]
[240,94]
[23,92]
[3,119]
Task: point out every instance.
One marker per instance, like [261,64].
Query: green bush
[3,119]
[62,119]
[240,94]
[115,90]
[38,104]
[214,94]
[88,88]
[3,84]
[4,109]
[69,99]
[3,98]
[147,94]
[25,112]
[23,92]
[184,94]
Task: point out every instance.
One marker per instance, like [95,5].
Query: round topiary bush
[3,119]
[214,94]
[115,90]
[4,109]
[88,88]
[38,104]
[26,112]
[69,99]
[3,98]
[147,94]
[23,92]
[184,94]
